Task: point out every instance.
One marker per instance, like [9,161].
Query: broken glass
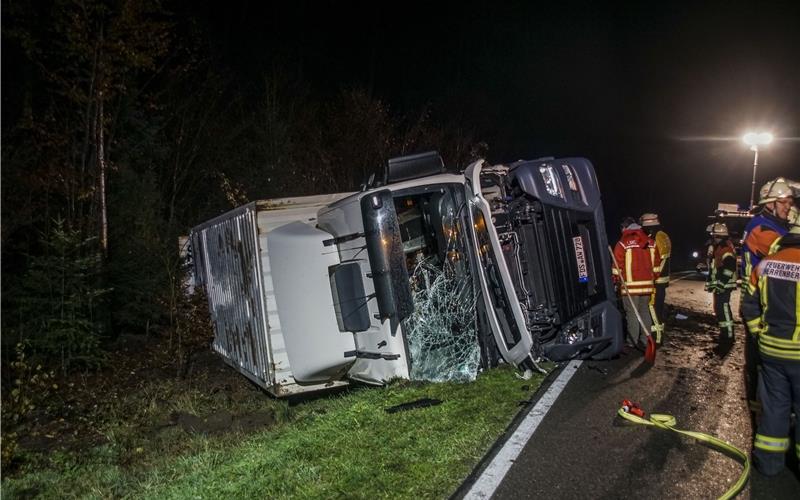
[441,332]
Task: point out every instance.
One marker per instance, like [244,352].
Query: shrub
[32,388]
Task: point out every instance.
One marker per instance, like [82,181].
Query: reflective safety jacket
[772,308]
[664,246]
[759,234]
[638,260]
[722,268]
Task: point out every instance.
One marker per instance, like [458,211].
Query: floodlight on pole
[754,140]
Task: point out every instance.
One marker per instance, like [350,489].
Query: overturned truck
[424,274]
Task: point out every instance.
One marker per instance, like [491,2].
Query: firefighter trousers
[722,310]
[779,393]
[642,305]
[659,303]
[752,360]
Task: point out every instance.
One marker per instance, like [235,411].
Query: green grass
[332,447]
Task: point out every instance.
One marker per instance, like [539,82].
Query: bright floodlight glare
[695,255]
[757,138]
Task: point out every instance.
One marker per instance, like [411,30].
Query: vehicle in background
[735,219]
[424,274]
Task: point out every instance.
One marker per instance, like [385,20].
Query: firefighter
[636,269]
[652,226]
[772,312]
[722,279]
[769,224]
[775,200]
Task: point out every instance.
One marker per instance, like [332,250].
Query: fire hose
[633,412]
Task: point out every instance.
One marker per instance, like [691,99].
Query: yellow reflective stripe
[727,272]
[770,443]
[748,265]
[728,320]
[663,279]
[638,291]
[754,326]
[775,246]
[656,327]
[797,450]
[796,333]
[779,353]
[762,288]
[628,264]
[727,254]
[728,323]
[780,343]
[615,271]
[642,282]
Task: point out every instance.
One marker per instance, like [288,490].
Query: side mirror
[386,257]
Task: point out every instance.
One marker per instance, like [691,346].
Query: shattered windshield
[441,333]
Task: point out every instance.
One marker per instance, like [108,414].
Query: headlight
[550,181]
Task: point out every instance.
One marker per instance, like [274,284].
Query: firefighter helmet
[775,190]
[795,185]
[649,220]
[794,220]
[717,229]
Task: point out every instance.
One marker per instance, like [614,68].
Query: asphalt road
[582,449]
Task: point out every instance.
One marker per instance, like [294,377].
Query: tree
[58,298]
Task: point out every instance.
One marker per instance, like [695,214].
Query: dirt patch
[140,380]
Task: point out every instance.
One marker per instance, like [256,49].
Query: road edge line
[491,477]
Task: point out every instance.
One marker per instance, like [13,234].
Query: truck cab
[425,274]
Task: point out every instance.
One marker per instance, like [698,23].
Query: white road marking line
[494,473]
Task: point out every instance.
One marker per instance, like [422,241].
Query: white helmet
[649,220]
[795,185]
[775,190]
[717,229]
[794,220]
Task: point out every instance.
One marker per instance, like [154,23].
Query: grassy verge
[339,446]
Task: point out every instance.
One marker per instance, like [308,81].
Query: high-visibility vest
[722,271]
[639,261]
[772,308]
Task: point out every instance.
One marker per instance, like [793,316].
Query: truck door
[503,311]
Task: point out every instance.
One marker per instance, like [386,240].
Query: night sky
[656,95]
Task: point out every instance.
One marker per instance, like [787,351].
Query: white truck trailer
[425,274]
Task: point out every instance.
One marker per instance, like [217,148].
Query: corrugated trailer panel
[228,251]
